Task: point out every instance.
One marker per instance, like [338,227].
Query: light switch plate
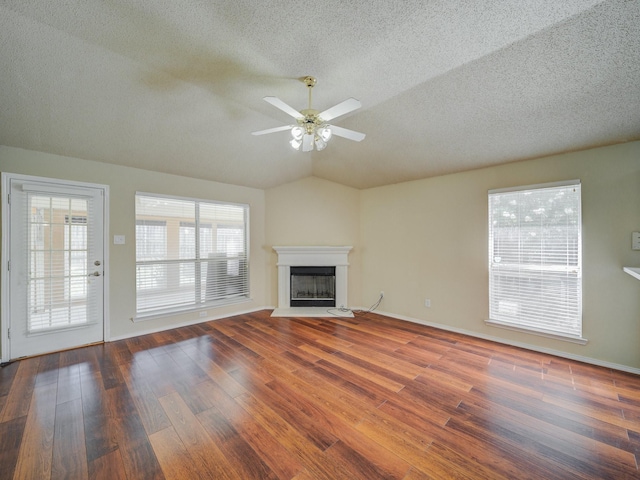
[118,239]
[635,241]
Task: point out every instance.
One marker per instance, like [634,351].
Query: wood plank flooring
[254,397]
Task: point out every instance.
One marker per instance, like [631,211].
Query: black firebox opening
[313,286]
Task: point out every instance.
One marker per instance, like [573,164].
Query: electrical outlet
[203,314]
[427,302]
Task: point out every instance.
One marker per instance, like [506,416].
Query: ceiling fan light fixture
[324,132]
[295,143]
[297,132]
[307,142]
[320,143]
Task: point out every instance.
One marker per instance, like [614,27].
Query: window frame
[536,270]
[199,301]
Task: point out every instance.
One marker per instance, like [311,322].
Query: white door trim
[5,308]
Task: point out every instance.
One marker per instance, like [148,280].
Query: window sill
[185,311]
[541,333]
[634,272]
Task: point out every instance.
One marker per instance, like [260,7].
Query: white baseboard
[550,351]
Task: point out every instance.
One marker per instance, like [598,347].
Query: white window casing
[535,259]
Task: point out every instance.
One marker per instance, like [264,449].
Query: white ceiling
[176,85]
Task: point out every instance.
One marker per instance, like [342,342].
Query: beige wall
[123,183]
[428,239]
[416,240]
[315,212]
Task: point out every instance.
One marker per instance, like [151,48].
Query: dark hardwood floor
[254,397]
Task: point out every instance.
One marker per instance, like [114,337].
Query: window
[535,259]
[57,260]
[188,247]
[151,249]
[75,256]
[189,253]
[230,240]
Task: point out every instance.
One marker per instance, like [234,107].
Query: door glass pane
[58,257]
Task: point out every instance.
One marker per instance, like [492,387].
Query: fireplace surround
[312,256]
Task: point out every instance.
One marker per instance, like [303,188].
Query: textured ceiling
[176,85]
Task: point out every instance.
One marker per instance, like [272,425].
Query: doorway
[54,276]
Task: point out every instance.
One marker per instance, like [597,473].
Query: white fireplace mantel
[313,256]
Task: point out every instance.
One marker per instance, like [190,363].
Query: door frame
[5,256]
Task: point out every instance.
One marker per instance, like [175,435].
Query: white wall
[428,239]
[123,182]
[312,212]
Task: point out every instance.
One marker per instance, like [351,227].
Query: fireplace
[313,286]
[323,284]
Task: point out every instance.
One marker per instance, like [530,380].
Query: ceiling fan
[311,126]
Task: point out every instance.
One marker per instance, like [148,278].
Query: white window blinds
[189,253]
[535,258]
[58,245]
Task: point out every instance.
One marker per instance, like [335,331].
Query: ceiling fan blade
[276,102]
[307,142]
[272,130]
[346,133]
[349,105]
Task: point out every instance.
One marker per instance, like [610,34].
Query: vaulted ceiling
[177,85]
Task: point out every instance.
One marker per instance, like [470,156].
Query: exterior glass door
[56,266]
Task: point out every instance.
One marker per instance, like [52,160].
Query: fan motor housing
[310,120]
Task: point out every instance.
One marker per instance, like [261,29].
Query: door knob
[94,274]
